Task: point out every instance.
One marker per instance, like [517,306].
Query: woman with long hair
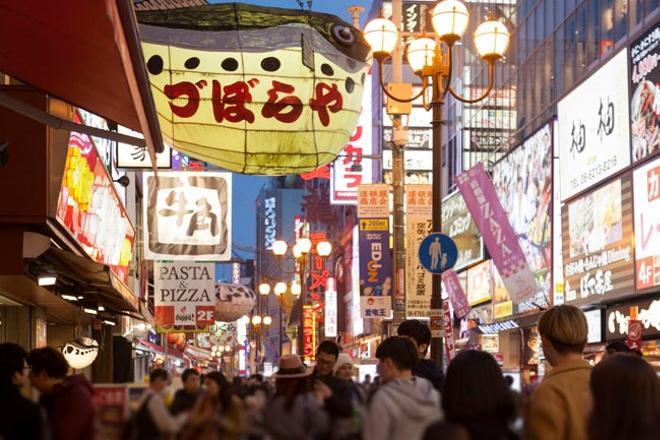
[476,400]
[296,410]
[218,414]
[626,399]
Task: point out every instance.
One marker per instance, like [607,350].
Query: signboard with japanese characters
[330,309]
[253,89]
[418,138]
[187,216]
[184,296]
[270,222]
[500,239]
[479,283]
[452,286]
[418,225]
[523,181]
[373,201]
[89,207]
[375,268]
[457,223]
[352,168]
[645,100]
[309,333]
[598,243]
[414,160]
[448,330]
[646,189]
[136,157]
[594,129]
[617,319]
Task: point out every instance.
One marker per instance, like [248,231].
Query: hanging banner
[646,190]
[418,226]
[645,100]
[457,223]
[523,182]
[184,296]
[491,220]
[352,168]
[452,286]
[448,331]
[594,128]
[598,244]
[309,333]
[253,89]
[187,216]
[330,309]
[375,268]
[373,201]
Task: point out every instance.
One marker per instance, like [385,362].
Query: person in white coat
[404,405]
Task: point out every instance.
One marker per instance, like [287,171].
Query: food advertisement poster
[598,243]
[523,181]
[646,189]
[645,99]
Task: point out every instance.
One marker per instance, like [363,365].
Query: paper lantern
[255,90]
[233,301]
[80,353]
[177,340]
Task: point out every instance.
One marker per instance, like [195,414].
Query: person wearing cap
[558,407]
[296,410]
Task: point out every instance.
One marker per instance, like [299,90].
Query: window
[549,16]
[606,42]
[635,10]
[581,37]
[593,32]
[620,26]
[569,52]
[558,63]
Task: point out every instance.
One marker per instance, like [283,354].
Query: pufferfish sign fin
[231,88]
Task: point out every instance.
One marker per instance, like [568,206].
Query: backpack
[141,425]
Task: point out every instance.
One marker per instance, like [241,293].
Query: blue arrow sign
[438,253]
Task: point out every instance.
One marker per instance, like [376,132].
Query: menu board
[598,243]
[646,189]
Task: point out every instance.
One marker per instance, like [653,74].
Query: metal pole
[436,295]
[398,190]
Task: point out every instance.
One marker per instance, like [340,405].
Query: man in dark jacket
[20,418]
[68,401]
[186,397]
[421,335]
[339,404]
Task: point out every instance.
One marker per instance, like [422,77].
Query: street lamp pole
[433,62]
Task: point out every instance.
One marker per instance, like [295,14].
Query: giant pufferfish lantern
[255,90]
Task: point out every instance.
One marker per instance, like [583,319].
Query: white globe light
[264,288]
[450,19]
[256,320]
[268,320]
[296,289]
[279,247]
[382,35]
[280,288]
[297,253]
[420,53]
[491,39]
[305,245]
[324,248]
[227,347]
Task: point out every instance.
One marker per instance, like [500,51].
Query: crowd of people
[410,399]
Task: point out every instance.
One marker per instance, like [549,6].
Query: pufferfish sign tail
[252,89]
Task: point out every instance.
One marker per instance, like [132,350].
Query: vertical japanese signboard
[523,182]
[646,189]
[598,243]
[187,216]
[184,296]
[452,285]
[491,220]
[375,258]
[419,200]
[354,166]
[644,84]
[448,330]
[309,332]
[594,129]
[270,222]
[330,309]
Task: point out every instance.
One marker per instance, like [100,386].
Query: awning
[86,53]
[94,278]
[143,344]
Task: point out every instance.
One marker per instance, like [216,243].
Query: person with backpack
[153,420]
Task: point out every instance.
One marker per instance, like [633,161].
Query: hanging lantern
[255,90]
[177,340]
[233,301]
[80,353]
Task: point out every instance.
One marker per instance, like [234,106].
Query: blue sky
[246,187]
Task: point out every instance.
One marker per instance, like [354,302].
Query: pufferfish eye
[343,34]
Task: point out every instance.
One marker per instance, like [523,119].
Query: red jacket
[70,409]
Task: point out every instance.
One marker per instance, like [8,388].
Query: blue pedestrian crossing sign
[438,253]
